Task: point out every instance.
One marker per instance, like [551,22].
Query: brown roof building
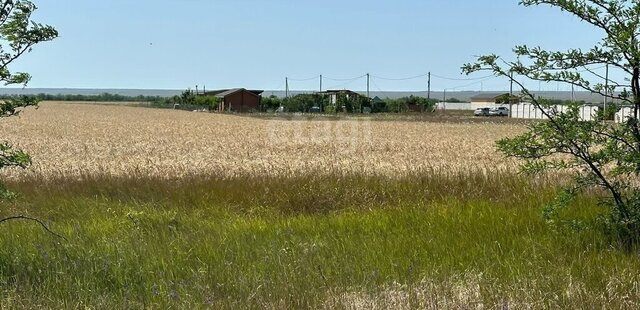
[493,98]
[237,99]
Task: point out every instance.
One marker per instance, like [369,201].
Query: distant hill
[461,95]
[90,91]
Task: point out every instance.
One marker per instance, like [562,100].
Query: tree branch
[23,217]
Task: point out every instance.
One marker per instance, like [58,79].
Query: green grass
[424,241]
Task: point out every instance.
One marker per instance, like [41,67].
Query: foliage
[609,112]
[187,97]
[454,100]
[18,35]
[302,102]
[210,102]
[345,104]
[351,104]
[507,99]
[395,105]
[378,105]
[187,100]
[271,103]
[299,242]
[599,155]
[103,97]
[411,102]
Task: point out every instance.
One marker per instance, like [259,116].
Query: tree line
[305,103]
[352,104]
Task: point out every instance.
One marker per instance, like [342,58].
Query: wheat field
[401,230]
[72,140]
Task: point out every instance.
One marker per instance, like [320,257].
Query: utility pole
[320,82]
[368,85]
[444,99]
[511,86]
[286,87]
[606,86]
[429,86]
[573,96]
[510,94]
[196,90]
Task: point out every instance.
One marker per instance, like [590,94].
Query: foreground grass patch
[428,241]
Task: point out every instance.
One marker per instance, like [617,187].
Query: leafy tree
[271,103]
[346,104]
[187,97]
[402,104]
[18,34]
[210,102]
[396,105]
[302,102]
[454,100]
[378,105]
[598,154]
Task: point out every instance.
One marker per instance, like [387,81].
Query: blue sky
[175,44]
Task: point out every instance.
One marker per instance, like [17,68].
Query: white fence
[623,114]
[454,106]
[529,111]
[465,106]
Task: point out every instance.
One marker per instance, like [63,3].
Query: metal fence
[455,106]
[529,111]
[623,114]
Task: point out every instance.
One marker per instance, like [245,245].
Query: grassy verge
[424,241]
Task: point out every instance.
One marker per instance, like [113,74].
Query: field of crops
[172,209]
[79,139]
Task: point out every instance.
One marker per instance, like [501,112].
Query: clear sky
[175,44]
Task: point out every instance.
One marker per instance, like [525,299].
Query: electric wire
[460,79]
[339,86]
[340,80]
[486,78]
[303,80]
[400,79]
[382,92]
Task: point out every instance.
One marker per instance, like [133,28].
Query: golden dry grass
[78,139]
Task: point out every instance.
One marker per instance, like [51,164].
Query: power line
[343,84]
[486,78]
[400,79]
[379,89]
[348,79]
[303,80]
[459,79]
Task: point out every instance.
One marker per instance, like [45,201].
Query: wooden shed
[335,94]
[237,99]
[494,98]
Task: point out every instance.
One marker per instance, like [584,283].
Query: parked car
[499,111]
[481,112]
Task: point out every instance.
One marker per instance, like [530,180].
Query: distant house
[237,99]
[335,94]
[345,100]
[492,98]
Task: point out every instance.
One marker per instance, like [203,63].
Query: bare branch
[23,217]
